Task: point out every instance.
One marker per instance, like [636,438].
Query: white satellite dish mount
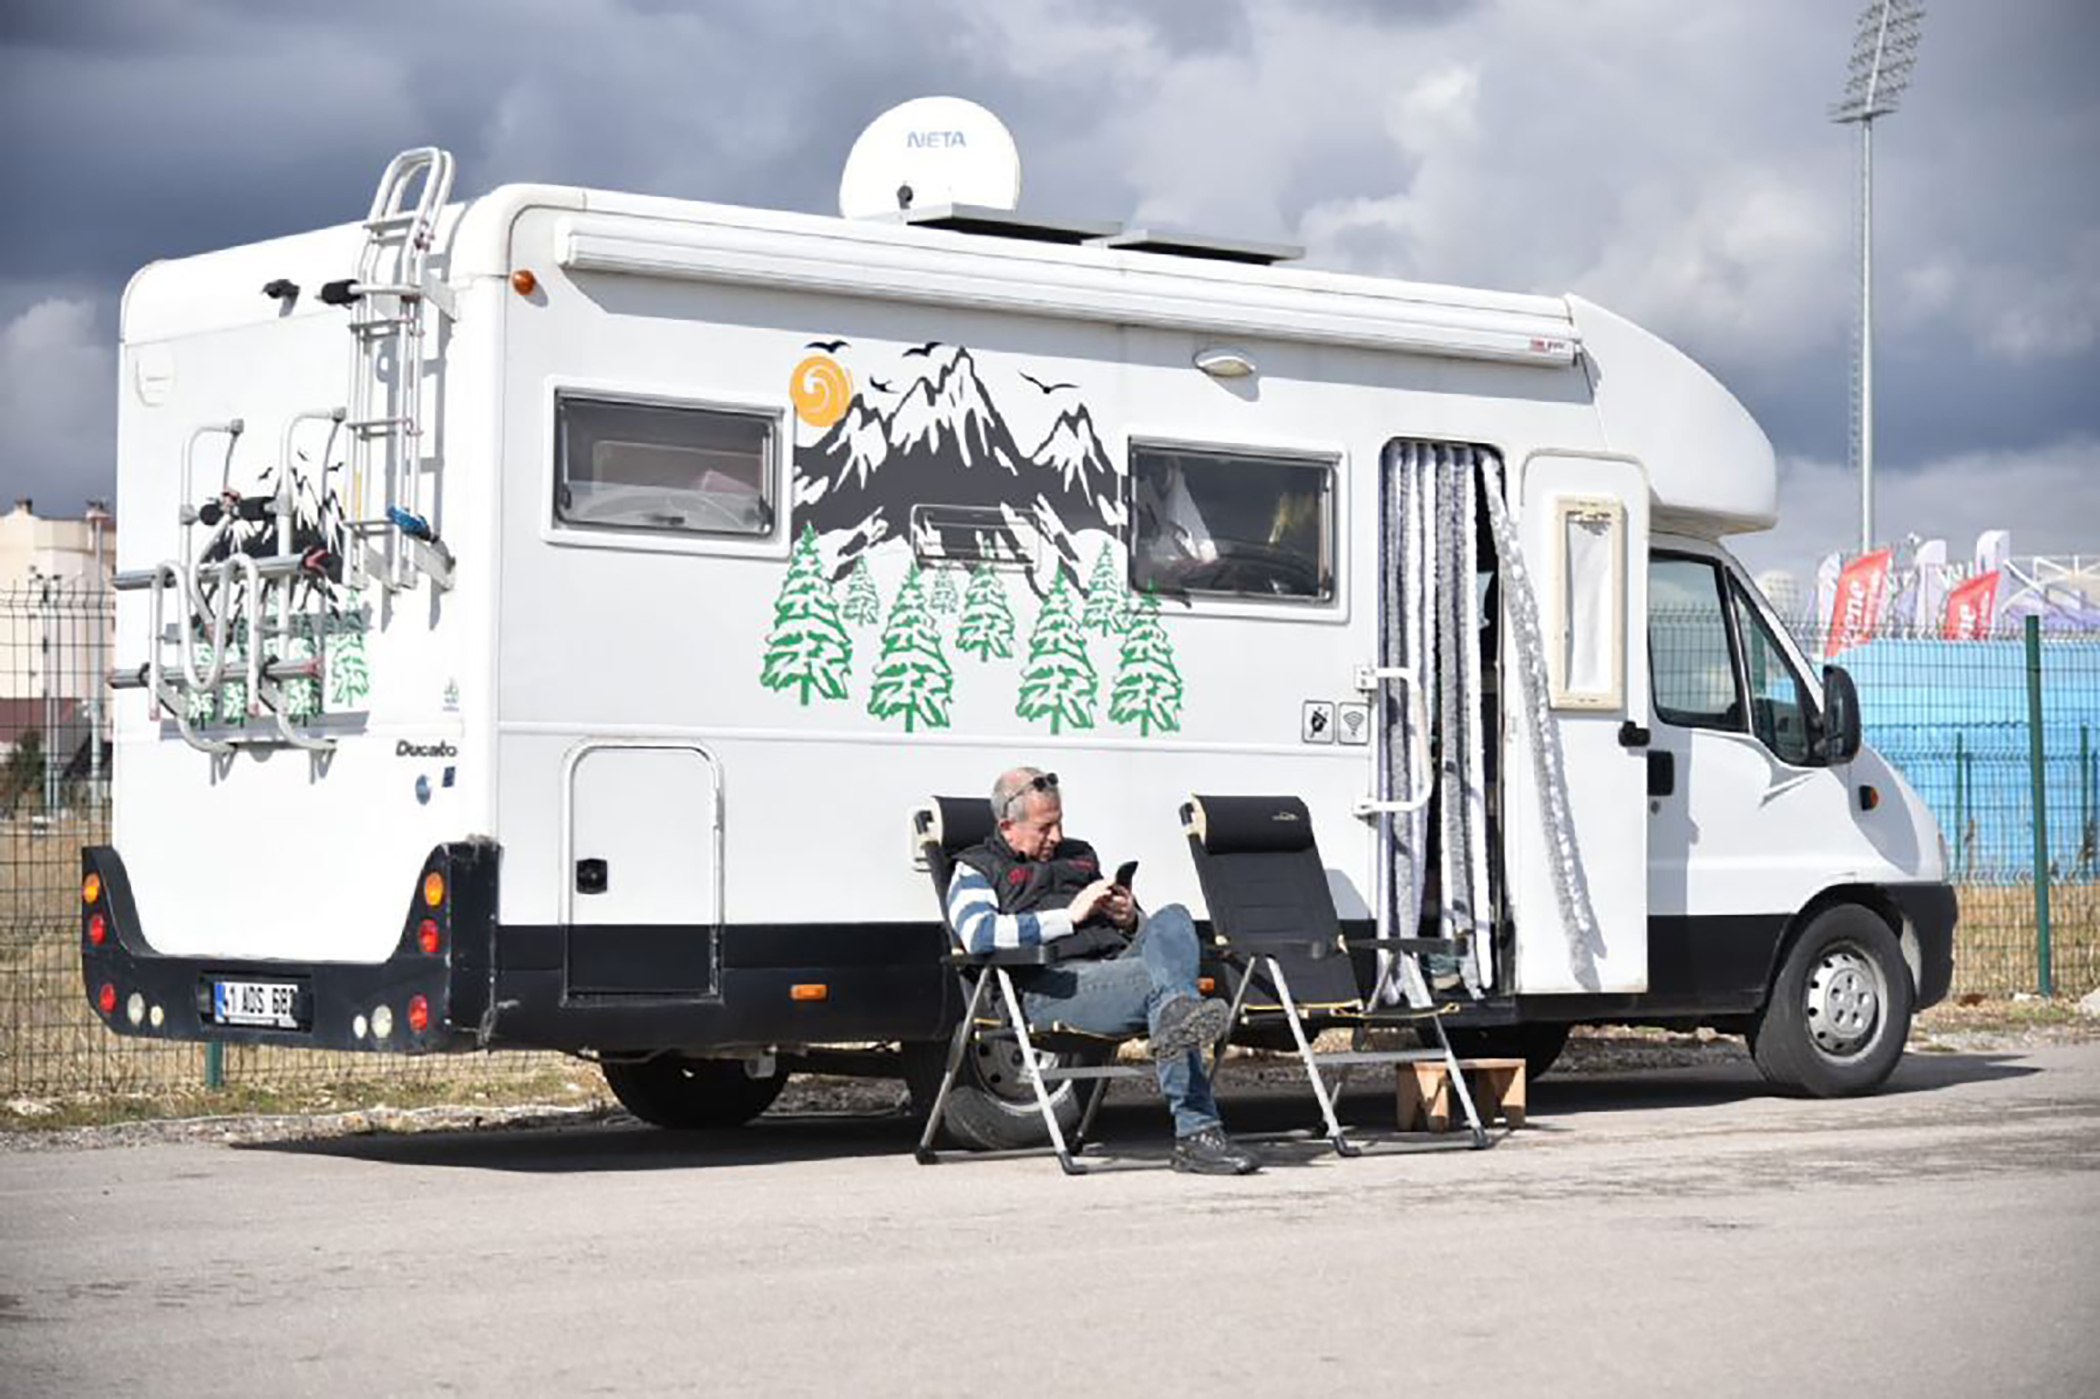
[927,152]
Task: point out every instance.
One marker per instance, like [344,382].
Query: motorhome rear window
[1231,523]
[665,468]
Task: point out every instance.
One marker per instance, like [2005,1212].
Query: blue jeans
[1122,995]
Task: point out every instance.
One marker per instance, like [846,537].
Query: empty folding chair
[943,829]
[1275,922]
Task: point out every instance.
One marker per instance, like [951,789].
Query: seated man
[1026,884]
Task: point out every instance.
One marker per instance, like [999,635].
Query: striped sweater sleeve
[973,911]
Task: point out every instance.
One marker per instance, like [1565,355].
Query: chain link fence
[55,764]
[1956,717]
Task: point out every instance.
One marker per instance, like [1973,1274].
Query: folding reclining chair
[943,829]
[1274,919]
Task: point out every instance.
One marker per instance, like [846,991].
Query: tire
[691,1095]
[992,1107]
[1839,1010]
[1537,1043]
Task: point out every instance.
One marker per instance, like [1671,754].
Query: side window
[1689,660]
[1779,707]
[1231,523]
[664,468]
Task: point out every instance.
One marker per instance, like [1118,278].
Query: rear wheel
[1538,1043]
[992,1107]
[1839,1011]
[692,1094]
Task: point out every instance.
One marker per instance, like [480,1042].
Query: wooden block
[1423,1093]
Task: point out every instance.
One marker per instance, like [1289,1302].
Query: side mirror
[1840,715]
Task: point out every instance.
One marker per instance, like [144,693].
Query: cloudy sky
[1672,161]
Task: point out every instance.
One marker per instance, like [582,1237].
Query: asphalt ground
[1657,1231]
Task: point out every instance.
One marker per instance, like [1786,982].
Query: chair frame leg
[965,1032]
[1232,1022]
[1458,1084]
[1034,1069]
[1342,1145]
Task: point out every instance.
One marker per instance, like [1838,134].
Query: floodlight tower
[1883,53]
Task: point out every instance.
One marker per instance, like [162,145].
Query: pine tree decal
[943,599]
[302,698]
[1107,603]
[1059,682]
[349,676]
[987,626]
[912,676]
[863,605]
[808,648]
[1148,684]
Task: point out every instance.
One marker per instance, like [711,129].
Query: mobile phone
[1125,873]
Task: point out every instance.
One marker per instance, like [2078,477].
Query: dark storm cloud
[1671,161]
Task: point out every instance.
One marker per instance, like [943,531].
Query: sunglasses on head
[1041,782]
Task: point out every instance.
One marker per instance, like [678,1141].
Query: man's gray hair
[1012,787]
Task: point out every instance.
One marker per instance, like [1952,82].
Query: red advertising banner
[1971,608]
[1862,594]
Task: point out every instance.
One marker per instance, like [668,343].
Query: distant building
[55,633]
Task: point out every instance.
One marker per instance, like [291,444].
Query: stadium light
[1884,51]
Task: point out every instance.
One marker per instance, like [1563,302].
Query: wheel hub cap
[1844,1002]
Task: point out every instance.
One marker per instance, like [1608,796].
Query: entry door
[1584,527]
[642,874]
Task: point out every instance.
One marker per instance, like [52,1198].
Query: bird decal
[1046,388]
[926,349]
[829,347]
[880,385]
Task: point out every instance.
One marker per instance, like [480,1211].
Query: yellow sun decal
[821,390]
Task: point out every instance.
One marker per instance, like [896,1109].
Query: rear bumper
[1930,912]
[491,986]
[336,1001]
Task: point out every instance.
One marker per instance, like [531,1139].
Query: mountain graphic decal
[944,442]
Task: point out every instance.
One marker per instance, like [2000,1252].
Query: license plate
[271,1003]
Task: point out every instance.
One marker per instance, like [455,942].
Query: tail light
[106,999]
[434,888]
[427,936]
[418,1015]
[91,888]
[98,929]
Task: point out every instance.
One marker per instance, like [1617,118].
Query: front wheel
[692,1094]
[1839,1011]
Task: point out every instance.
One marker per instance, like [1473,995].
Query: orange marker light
[91,888]
[809,991]
[1869,797]
[523,282]
[1206,984]
[433,888]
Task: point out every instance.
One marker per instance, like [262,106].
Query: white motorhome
[541,612]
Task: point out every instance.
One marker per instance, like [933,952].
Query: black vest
[1037,886]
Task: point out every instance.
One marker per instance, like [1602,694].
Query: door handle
[1632,735]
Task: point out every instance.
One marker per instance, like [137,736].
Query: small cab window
[1689,659]
[663,468]
[1231,523]
[1779,705]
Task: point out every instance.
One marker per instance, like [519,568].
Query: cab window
[1690,661]
[1779,704]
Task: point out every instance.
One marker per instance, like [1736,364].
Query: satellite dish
[931,151]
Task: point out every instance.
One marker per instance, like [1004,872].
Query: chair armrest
[1036,956]
[1406,944]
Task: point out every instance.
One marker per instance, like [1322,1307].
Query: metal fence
[1980,728]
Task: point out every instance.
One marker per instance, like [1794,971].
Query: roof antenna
[929,152]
